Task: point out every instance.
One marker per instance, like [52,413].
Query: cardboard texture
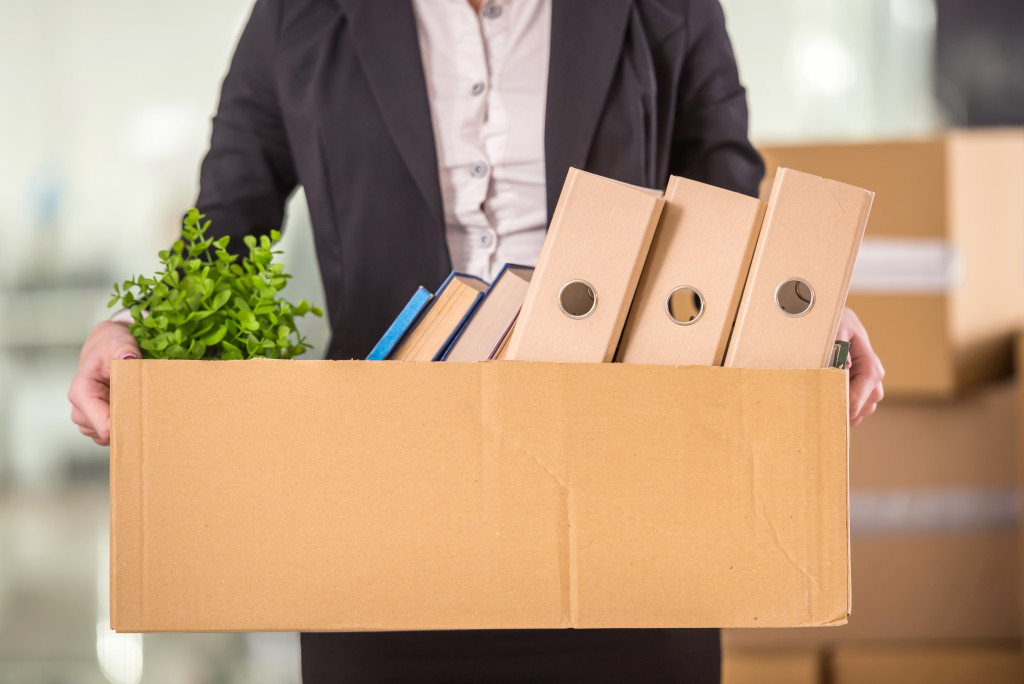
[960,191]
[704,240]
[923,664]
[600,233]
[945,587]
[760,666]
[812,229]
[401,496]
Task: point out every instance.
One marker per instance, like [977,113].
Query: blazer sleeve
[248,172]
[709,142]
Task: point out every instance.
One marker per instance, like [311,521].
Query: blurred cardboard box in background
[761,666]
[925,664]
[939,278]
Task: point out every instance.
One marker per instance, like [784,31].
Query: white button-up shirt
[487,77]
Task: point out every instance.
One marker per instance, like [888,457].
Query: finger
[77,417]
[861,386]
[92,399]
[868,410]
[877,394]
[87,431]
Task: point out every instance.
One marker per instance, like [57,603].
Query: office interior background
[104,118]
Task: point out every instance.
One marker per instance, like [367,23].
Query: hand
[90,390]
[866,370]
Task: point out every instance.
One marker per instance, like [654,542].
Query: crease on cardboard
[759,505]
[782,547]
[504,444]
[834,195]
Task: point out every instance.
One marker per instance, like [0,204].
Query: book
[686,300]
[800,274]
[451,305]
[493,317]
[502,350]
[587,272]
[401,325]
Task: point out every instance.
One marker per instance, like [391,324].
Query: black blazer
[331,94]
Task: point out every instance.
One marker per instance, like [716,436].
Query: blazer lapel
[385,38]
[586,44]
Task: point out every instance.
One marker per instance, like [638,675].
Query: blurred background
[105,116]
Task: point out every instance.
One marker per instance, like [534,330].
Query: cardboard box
[290,495]
[760,666]
[924,664]
[968,443]
[931,586]
[942,254]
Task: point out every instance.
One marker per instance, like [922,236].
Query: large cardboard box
[938,279]
[928,664]
[288,495]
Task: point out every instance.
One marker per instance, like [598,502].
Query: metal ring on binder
[577,299]
[794,297]
[685,307]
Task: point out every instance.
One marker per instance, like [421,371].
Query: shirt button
[478,88]
[492,10]
[486,240]
[478,169]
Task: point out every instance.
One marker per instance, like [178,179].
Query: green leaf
[216,336]
[197,351]
[220,299]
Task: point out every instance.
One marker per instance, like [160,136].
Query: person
[432,134]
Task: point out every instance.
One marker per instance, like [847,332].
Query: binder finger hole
[684,305]
[577,299]
[794,297]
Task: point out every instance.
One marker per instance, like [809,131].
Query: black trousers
[593,656]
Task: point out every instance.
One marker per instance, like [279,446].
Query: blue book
[401,325]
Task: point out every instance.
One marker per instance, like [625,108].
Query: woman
[432,134]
